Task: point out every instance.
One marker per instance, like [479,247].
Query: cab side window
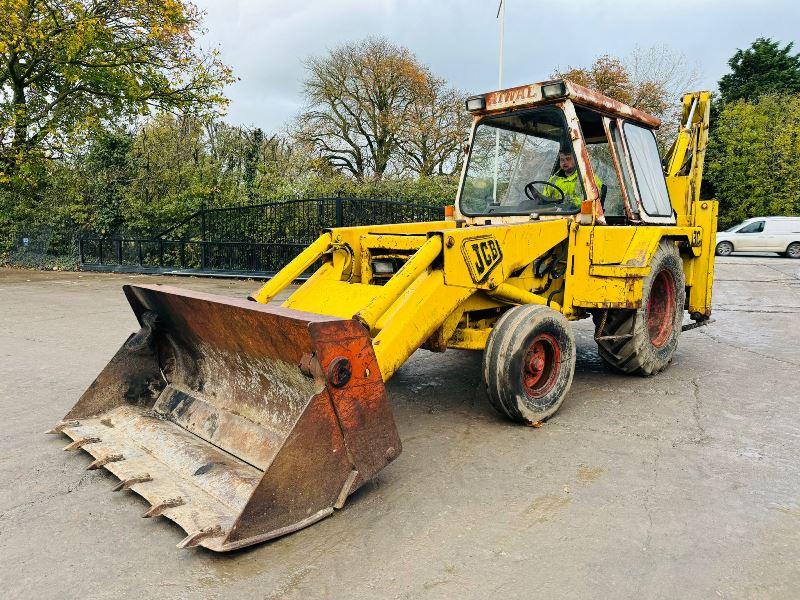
[623,167]
[647,170]
[603,166]
[602,162]
[754,227]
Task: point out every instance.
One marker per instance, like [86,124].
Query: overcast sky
[265,41]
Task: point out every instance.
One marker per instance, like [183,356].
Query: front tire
[644,341]
[724,249]
[529,362]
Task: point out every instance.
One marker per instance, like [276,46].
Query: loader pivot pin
[339,371]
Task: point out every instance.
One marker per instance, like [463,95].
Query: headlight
[476,103]
[554,90]
[382,267]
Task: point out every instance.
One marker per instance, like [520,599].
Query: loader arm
[435,280]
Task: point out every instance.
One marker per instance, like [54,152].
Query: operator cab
[557,149]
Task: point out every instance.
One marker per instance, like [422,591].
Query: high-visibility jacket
[569,184]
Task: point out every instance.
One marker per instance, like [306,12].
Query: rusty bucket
[238,421]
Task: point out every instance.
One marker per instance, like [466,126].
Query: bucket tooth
[101,462]
[193,539]
[80,443]
[159,508]
[348,484]
[126,483]
[62,426]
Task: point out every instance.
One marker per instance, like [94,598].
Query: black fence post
[118,248]
[203,235]
[182,254]
[100,251]
[139,252]
[339,212]
[81,256]
[160,252]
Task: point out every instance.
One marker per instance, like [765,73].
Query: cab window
[602,163]
[647,170]
[623,167]
[514,166]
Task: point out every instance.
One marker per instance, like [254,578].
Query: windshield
[520,164]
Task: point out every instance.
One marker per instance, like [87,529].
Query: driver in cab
[566,179]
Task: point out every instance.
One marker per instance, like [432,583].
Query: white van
[762,234]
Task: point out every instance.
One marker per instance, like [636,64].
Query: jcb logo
[696,239]
[482,255]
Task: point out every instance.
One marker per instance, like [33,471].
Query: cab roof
[557,89]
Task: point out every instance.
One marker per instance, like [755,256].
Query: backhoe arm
[686,158]
[684,173]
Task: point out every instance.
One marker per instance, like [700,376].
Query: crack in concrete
[693,440]
[634,434]
[647,504]
[748,350]
[790,280]
[785,274]
[756,310]
[745,306]
[702,437]
[7,513]
[291,583]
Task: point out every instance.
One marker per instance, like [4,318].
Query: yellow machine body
[243,421]
[440,298]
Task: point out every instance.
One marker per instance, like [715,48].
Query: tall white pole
[501,14]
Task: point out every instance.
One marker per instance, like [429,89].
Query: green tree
[754,158]
[107,171]
[70,66]
[255,141]
[174,173]
[765,67]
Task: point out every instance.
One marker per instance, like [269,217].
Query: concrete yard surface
[682,485]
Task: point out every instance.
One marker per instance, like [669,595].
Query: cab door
[641,168]
[750,238]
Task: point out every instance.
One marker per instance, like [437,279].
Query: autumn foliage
[373,109]
[651,79]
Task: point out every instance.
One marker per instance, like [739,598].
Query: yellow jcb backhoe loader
[242,420]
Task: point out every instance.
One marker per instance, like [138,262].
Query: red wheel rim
[661,308]
[540,365]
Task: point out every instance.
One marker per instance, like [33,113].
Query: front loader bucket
[238,421]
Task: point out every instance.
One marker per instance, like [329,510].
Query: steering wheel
[533,194]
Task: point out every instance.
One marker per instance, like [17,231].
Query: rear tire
[529,362]
[724,249]
[793,250]
[646,338]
